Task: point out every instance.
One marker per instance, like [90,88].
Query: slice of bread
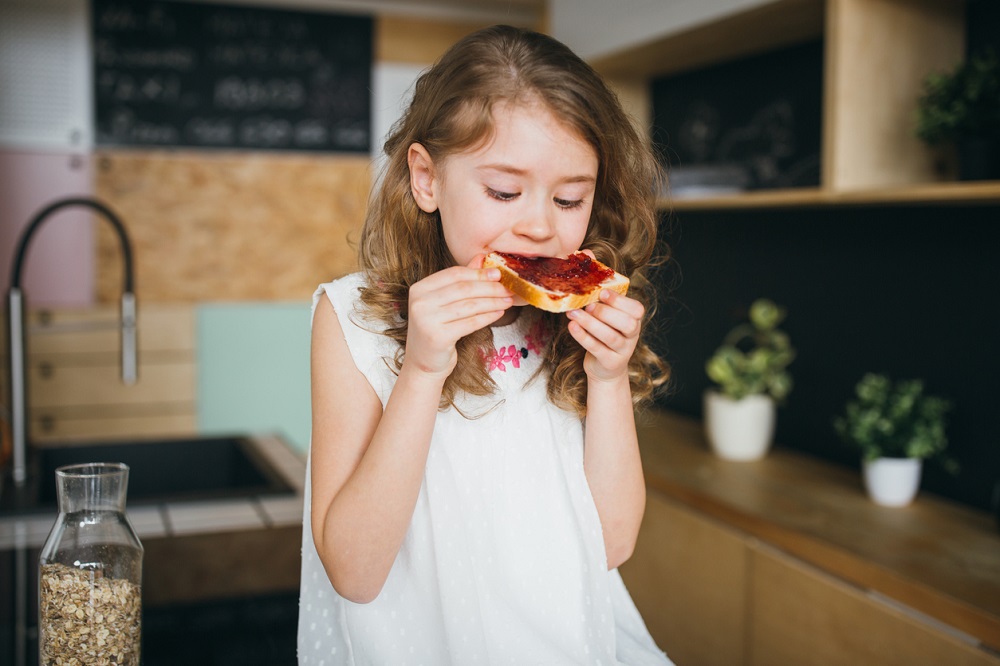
[556,285]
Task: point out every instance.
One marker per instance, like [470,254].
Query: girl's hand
[609,331]
[447,306]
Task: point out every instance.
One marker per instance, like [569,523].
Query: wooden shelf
[760,29]
[876,56]
[958,193]
[937,557]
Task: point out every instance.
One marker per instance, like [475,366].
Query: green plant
[961,103]
[895,420]
[754,356]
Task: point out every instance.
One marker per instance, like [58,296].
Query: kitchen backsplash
[908,291]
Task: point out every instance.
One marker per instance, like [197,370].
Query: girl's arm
[368,464]
[609,331]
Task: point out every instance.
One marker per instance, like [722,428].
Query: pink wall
[59,265]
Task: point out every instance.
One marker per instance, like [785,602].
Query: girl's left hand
[609,331]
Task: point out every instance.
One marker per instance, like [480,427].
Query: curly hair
[452,111]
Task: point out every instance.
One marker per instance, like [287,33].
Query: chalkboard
[227,76]
[750,124]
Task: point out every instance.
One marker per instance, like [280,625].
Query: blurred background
[237,141]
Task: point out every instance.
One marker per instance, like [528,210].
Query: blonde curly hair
[451,111]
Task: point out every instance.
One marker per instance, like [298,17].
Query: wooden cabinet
[688,577]
[801,615]
[74,381]
[876,55]
[713,596]
[785,561]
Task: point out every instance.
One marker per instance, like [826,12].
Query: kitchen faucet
[16,326]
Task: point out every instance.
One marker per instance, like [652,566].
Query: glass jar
[90,572]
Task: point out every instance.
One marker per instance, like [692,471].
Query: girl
[475,478]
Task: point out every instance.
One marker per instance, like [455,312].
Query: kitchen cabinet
[74,378]
[688,577]
[786,561]
[803,616]
[876,55]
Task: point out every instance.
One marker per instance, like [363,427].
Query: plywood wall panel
[230,226]
[878,53]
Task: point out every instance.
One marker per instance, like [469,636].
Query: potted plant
[896,426]
[750,369]
[962,107]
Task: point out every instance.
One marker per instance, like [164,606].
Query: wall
[44,140]
[595,28]
[244,237]
[908,291]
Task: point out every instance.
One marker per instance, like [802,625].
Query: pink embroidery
[501,356]
[537,337]
[535,341]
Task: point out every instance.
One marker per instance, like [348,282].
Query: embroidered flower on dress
[538,337]
[510,355]
[534,341]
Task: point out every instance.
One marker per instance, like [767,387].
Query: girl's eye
[569,205]
[501,196]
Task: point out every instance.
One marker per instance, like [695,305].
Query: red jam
[577,274]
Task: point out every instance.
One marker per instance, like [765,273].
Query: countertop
[936,557]
[194,517]
[207,564]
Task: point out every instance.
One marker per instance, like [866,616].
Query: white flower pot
[892,481]
[739,429]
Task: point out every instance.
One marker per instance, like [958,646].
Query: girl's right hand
[447,306]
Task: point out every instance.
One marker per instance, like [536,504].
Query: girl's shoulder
[345,295]
[364,334]
[343,289]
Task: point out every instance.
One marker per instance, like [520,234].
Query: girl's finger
[454,275]
[472,307]
[606,358]
[607,335]
[627,305]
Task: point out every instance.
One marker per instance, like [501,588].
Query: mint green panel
[253,370]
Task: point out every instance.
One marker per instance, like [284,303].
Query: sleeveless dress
[504,559]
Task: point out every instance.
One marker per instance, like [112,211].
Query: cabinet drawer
[79,382]
[95,331]
[157,421]
[803,616]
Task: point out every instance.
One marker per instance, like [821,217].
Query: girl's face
[528,191]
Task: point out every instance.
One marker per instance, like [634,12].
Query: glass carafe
[90,572]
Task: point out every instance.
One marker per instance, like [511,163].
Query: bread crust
[548,300]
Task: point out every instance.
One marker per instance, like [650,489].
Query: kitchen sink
[160,471]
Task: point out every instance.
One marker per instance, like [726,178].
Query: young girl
[475,478]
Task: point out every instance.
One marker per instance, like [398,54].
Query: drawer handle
[46,370]
[47,422]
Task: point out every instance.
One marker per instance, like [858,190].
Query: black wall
[913,292]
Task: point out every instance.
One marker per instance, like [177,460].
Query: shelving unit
[876,56]
[957,193]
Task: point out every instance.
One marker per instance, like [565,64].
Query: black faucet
[16,337]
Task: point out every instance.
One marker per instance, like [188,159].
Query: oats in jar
[86,618]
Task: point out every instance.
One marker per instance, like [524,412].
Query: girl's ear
[422,177]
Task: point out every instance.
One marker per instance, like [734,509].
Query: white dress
[504,560]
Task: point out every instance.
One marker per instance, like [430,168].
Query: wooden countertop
[939,558]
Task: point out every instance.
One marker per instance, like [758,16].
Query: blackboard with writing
[227,76]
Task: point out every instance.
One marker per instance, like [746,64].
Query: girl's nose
[536,224]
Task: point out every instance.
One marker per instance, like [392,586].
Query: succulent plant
[754,356]
[964,102]
[890,419]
